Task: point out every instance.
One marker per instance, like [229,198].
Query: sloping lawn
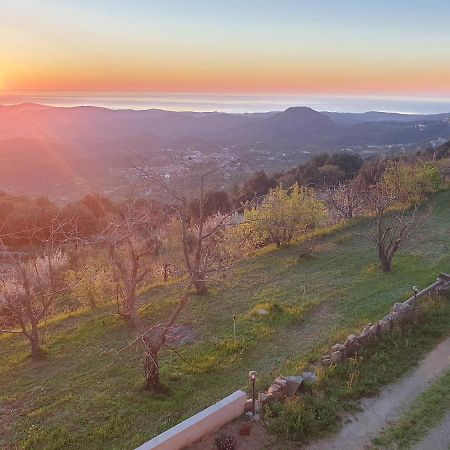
[87,395]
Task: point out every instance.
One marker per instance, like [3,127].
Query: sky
[321,47]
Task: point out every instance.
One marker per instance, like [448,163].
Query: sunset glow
[228,47]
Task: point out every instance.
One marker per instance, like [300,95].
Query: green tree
[283,214]
[93,284]
[411,183]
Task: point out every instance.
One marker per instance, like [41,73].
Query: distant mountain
[39,144]
[375,116]
[296,125]
[101,131]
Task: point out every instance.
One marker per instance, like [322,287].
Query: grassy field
[424,413]
[86,395]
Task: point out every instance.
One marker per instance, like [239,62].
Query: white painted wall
[203,423]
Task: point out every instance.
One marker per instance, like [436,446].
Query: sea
[232,103]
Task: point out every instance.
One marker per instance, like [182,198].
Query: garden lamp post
[252,375]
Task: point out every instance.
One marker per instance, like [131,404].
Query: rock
[364,338]
[336,357]
[391,317]
[384,327]
[264,398]
[309,377]
[403,312]
[293,384]
[373,331]
[350,350]
[337,348]
[280,381]
[248,405]
[351,345]
[275,388]
[351,339]
[397,307]
[262,312]
[325,362]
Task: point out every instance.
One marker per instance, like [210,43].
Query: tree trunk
[200,286]
[151,368]
[386,263]
[36,350]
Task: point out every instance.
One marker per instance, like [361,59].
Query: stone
[444,289]
[373,331]
[364,338]
[351,345]
[262,312]
[391,317]
[351,338]
[280,381]
[309,377]
[248,405]
[273,389]
[404,313]
[264,398]
[293,384]
[253,418]
[336,357]
[337,348]
[398,307]
[384,327]
[350,350]
[325,362]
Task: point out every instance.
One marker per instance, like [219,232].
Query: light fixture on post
[252,376]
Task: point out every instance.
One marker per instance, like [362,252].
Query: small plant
[307,248]
[226,442]
[343,239]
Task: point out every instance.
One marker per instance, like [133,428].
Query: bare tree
[204,250]
[345,200]
[133,244]
[34,280]
[394,222]
[194,236]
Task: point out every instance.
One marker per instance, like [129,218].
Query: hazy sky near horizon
[283,46]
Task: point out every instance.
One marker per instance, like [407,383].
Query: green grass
[87,395]
[338,386]
[424,413]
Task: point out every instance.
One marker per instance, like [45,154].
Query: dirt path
[438,438]
[389,405]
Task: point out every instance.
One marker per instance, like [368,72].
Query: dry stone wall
[400,313]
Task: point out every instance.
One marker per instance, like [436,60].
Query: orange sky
[266,46]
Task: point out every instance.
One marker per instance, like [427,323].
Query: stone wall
[401,313]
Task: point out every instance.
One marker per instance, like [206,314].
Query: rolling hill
[36,139]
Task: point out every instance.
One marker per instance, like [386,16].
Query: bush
[303,416]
